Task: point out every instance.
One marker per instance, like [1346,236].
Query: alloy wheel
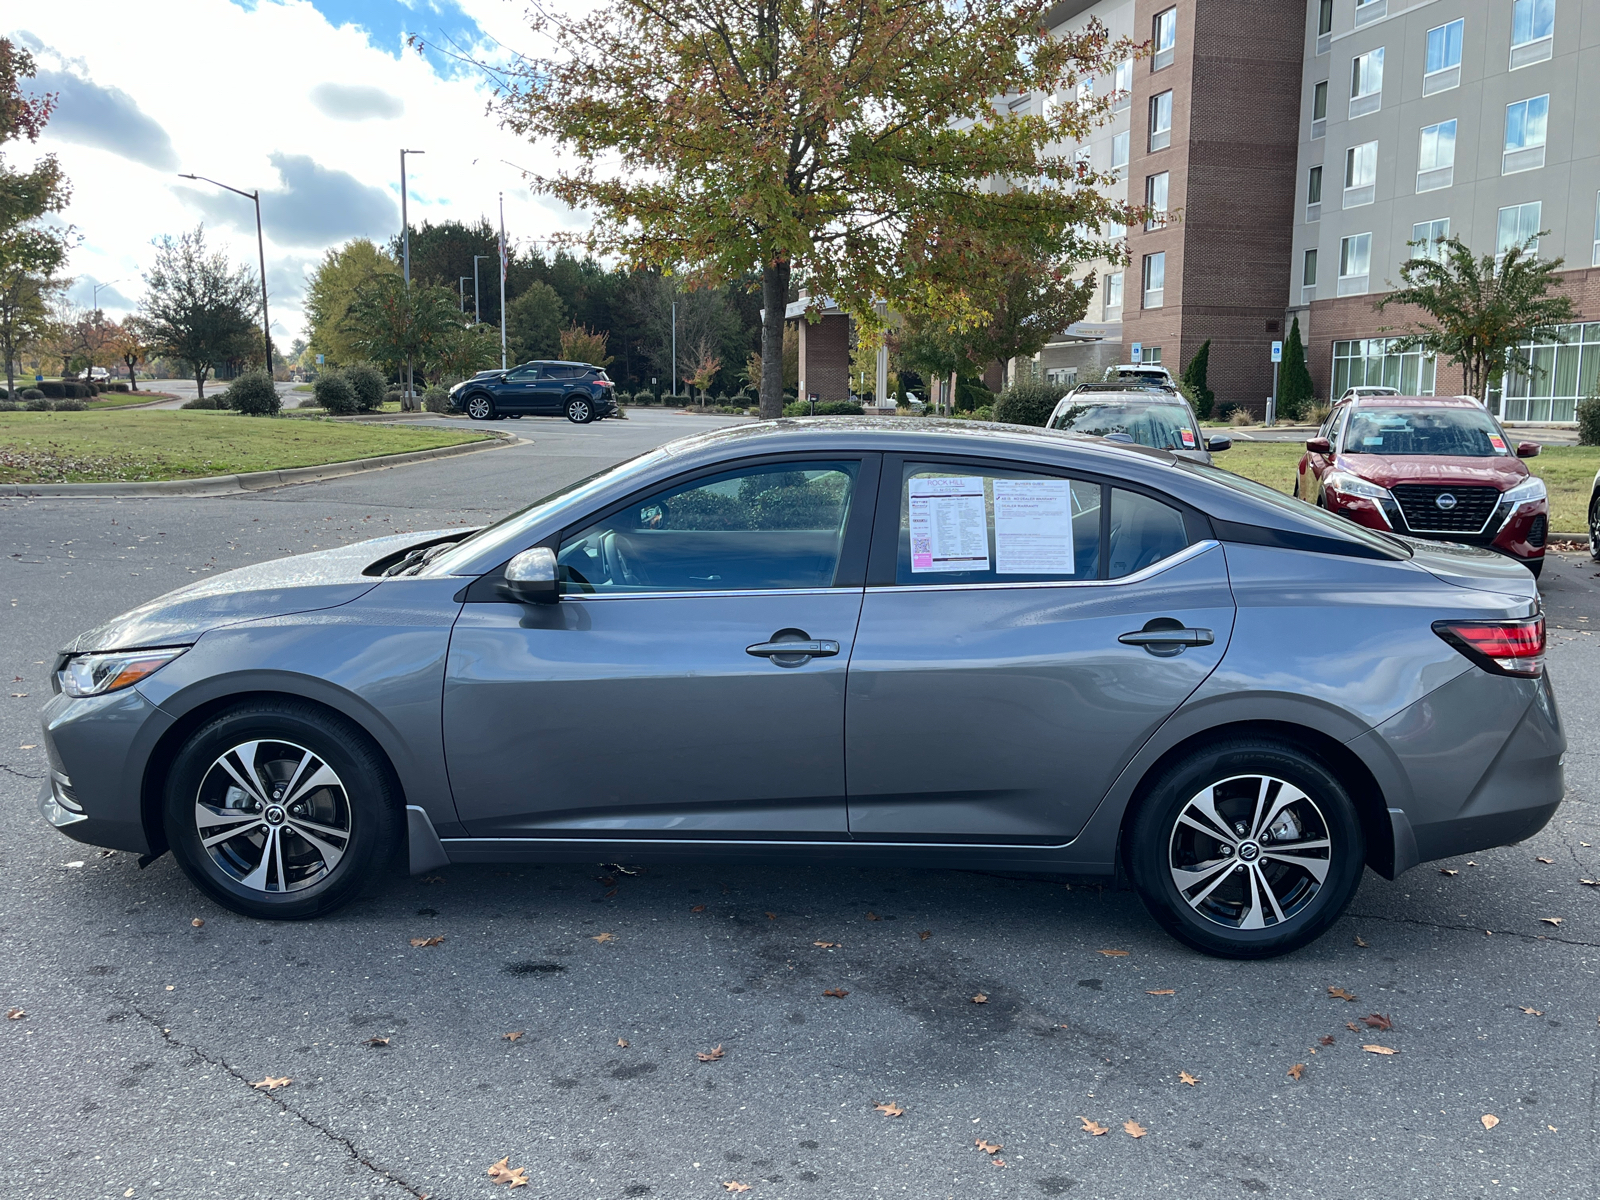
[1594,531]
[274,816]
[1249,852]
[578,411]
[478,408]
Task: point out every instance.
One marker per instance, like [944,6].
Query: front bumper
[1519,531]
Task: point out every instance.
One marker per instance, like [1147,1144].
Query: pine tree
[1194,378]
[1295,389]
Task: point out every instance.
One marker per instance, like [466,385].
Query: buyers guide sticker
[1497,442]
[1033,527]
[949,530]
[1188,438]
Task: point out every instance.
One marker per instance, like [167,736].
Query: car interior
[1422,431]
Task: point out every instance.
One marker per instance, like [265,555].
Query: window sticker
[1033,527]
[1497,442]
[1372,441]
[949,529]
[1188,438]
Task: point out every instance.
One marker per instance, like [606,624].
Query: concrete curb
[253,481]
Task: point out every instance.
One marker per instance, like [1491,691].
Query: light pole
[261,258]
[463,287]
[674,347]
[95,303]
[477,313]
[405,255]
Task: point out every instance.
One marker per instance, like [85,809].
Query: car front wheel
[1246,849]
[280,810]
[1594,528]
[480,408]
[579,410]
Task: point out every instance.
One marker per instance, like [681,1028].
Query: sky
[307,101]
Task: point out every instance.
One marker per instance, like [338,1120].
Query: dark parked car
[577,390]
[1436,468]
[889,640]
[1141,413]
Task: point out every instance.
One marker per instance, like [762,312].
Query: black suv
[581,392]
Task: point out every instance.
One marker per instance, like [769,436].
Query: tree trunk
[133,377]
[11,379]
[774,299]
[199,381]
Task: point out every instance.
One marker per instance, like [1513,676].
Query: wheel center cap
[274,814]
[1249,852]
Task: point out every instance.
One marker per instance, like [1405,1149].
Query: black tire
[480,407]
[1594,528]
[290,734]
[1157,844]
[580,410]
[1536,565]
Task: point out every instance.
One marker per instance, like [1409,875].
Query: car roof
[1416,402]
[1124,387]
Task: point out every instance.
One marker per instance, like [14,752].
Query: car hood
[1476,567]
[1386,470]
[279,588]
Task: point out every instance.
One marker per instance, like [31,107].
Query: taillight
[1503,647]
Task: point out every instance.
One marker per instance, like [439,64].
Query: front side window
[1518,226]
[1161,121]
[1113,290]
[523,374]
[774,525]
[1155,279]
[1459,433]
[1119,151]
[1155,198]
[962,524]
[1165,39]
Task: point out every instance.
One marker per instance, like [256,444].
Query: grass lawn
[118,399]
[1568,471]
[91,447]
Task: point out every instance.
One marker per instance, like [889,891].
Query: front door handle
[775,650]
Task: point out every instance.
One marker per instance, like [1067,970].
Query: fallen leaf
[1093,1127]
[1115,953]
[1341,994]
[1552,1129]
[1552,920]
[15,1014]
[1534,1012]
[504,1172]
[1590,882]
[1543,859]
[988,1147]
[997,1162]
[1488,933]
[1163,992]
[29,746]
[1326,1039]
[272,1084]
[828,945]
[1297,1070]
[512,1036]
[980,998]
[1352,1027]
[836,993]
[733,1185]
[1470,863]
[1380,1050]
[433,879]
[928,933]
[1489,1120]
[603,938]
[426,941]
[872,916]
[1133,1129]
[1359,942]
[1185,1077]
[375,1042]
[610,894]
[891,1109]
[698,908]
[197,922]
[709,1055]
[623,1042]
[1377,1021]
[1447,871]
[772,916]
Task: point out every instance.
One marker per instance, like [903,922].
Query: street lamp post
[261,258]
[463,287]
[95,303]
[405,255]
[477,313]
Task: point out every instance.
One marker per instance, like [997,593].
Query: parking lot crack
[1478,929]
[19,774]
[350,1149]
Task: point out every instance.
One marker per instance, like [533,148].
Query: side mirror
[531,577]
[1528,449]
[1319,445]
[1216,444]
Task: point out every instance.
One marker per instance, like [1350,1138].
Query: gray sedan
[920,642]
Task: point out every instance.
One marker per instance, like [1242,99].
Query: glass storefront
[1377,361]
[1564,373]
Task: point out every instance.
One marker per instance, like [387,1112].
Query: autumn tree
[1479,311]
[331,290]
[198,307]
[91,336]
[131,344]
[26,301]
[393,324]
[462,352]
[851,143]
[28,245]
[587,346]
[704,364]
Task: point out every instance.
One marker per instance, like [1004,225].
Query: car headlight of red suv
[1347,484]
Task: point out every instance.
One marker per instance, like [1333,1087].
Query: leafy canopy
[198,307]
[333,288]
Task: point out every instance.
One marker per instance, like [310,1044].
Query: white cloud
[274,111]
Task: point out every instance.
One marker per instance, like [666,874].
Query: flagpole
[502,281]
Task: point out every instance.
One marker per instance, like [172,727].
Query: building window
[1155,279]
[1366,83]
[1155,199]
[1370,10]
[1152,354]
[1119,151]
[1085,93]
[1325,18]
[1319,110]
[1379,362]
[1355,264]
[1566,369]
[1518,226]
[1062,375]
[1442,69]
[1122,85]
[1314,194]
[1161,121]
[1427,239]
[1436,156]
[1308,277]
[1113,294]
[1527,123]
[1360,174]
[1533,27]
[1165,39]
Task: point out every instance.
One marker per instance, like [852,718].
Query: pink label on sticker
[1187,436]
[922,562]
[1497,442]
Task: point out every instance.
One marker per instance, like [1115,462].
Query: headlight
[96,674]
[1352,485]
[1531,488]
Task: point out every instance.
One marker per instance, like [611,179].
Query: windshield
[1161,426]
[1453,432]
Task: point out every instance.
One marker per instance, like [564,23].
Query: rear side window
[1143,532]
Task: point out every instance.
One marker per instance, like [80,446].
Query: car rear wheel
[480,408]
[579,410]
[1246,849]
[280,810]
[1594,528]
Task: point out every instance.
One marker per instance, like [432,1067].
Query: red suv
[1435,468]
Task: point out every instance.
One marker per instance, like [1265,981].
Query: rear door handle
[818,649]
[1165,643]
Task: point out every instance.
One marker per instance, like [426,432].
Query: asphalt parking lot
[151,1015]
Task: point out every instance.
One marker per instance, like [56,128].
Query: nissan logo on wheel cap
[1445,501]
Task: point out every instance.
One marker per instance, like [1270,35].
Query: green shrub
[436,400]
[31,394]
[4,395]
[52,389]
[39,405]
[205,402]
[253,395]
[335,393]
[1028,403]
[118,387]
[10,405]
[1589,421]
[395,398]
[71,404]
[369,386]
[824,408]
